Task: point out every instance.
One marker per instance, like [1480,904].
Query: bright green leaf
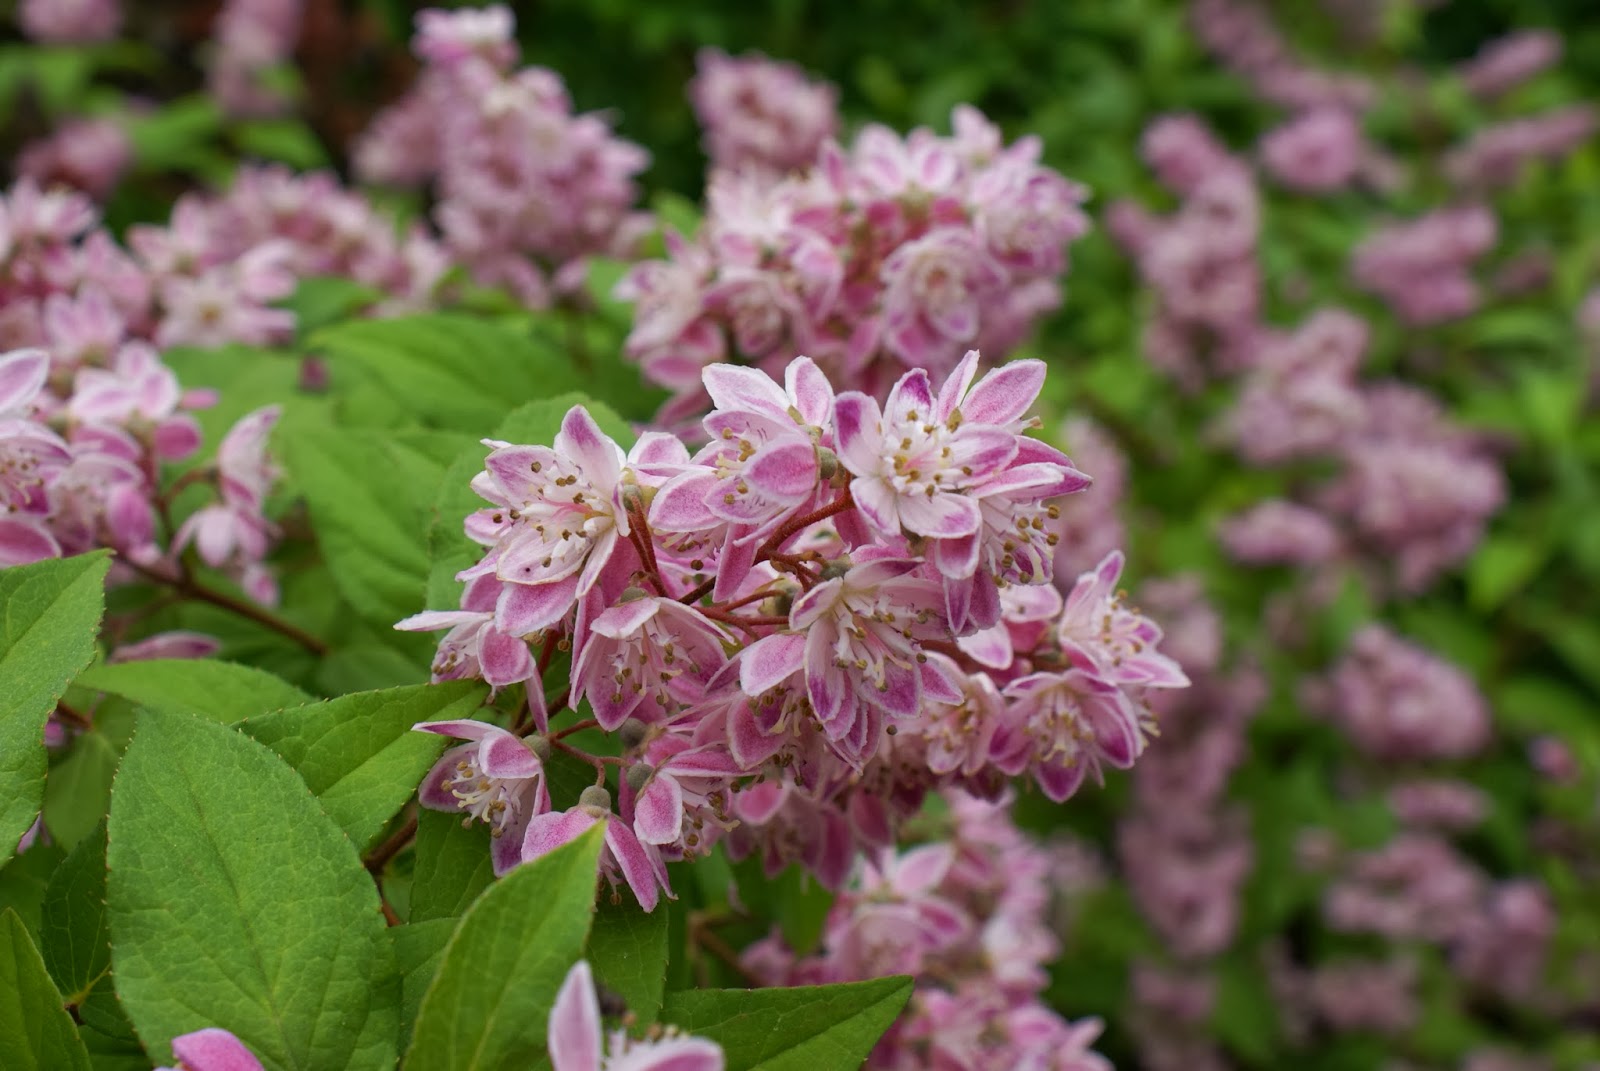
[77,794]
[628,951]
[800,1029]
[358,753]
[49,613]
[73,931]
[206,688]
[488,1008]
[452,866]
[418,950]
[35,1031]
[234,901]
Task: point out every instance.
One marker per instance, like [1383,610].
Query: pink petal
[513,468]
[939,516]
[955,387]
[547,832]
[525,608]
[811,391]
[877,503]
[678,1054]
[503,755]
[737,388]
[912,394]
[22,543]
[680,504]
[920,869]
[858,429]
[1060,782]
[1004,395]
[22,376]
[434,620]
[433,793]
[213,1049]
[658,812]
[770,661]
[504,659]
[625,619]
[787,471]
[581,439]
[635,864]
[574,1035]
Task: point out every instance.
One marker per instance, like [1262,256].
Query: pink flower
[211,1049]
[475,648]
[623,857]
[853,640]
[1106,637]
[558,520]
[449,37]
[233,534]
[933,291]
[576,1037]
[647,658]
[758,114]
[66,22]
[496,779]
[1315,152]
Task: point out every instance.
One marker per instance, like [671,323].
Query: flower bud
[539,745]
[639,775]
[632,594]
[827,462]
[595,797]
[632,733]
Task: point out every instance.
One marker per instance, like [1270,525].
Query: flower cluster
[896,253]
[70,22]
[1241,35]
[86,154]
[1422,269]
[526,189]
[253,38]
[849,603]
[759,115]
[967,915]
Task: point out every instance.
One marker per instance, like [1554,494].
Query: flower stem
[190,588]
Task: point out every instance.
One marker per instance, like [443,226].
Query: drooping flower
[623,858]
[495,778]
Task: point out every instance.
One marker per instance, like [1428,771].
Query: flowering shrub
[476,592]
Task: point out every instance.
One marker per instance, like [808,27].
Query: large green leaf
[370,497]
[73,931]
[206,688]
[489,1006]
[628,951]
[800,1029]
[358,753]
[234,901]
[77,793]
[450,371]
[452,866]
[418,951]
[36,1033]
[49,612]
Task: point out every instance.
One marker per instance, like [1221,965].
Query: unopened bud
[595,797]
[539,745]
[827,462]
[632,595]
[632,733]
[838,567]
[639,775]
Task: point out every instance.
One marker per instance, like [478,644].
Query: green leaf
[234,901]
[370,497]
[23,881]
[358,754]
[49,612]
[35,1030]
[206,688]
[325,299]
[73,931]
[77,794]
[489,1006]
[1502,566]
[450,371]
[452,866]
[628,951]
[418,951]
[800,1029]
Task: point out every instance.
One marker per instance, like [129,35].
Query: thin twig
[380,856]
[190,588]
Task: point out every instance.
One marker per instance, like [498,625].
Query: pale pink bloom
[475,648]
[1183,152]
[1315,152]
[647,658]
[1066,727]
[785,824]
[687,789]
[897,921]
[760,115]
[1105,636]
[1276,532]
[233,534]
[576,1037]
[178,643]
[70,22]
[212,1049]
[140,394]
[449,37]
[1507,62]
[89,154]
[934,288]
[557,521]
[623,858]
[495,778]
[252,37]
[853,646]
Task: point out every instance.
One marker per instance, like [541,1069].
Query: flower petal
[574,1035]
